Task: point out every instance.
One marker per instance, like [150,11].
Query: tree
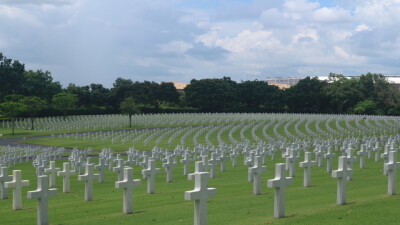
[33,105]
[12,110]
[343,93]
[11,76]
[40,84]
[211,95]
[64,101]
[255,96]
[122,88]
[365,107]
[307,96]
[128,106]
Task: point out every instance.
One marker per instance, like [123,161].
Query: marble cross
[127,184]
[101,167]
[213,162]
[186,160]
[169,167]
[291,162]
[223,159]
[198,167]
[307,164]
[362,153]
[42,194]
[89,177]
[53,171]
[342,175]
[329,156]
[391,167]
[16,184]
[4,177]
[200,194]
[66,173]
[279,183]
[257,171]
[150,174]
[120,169]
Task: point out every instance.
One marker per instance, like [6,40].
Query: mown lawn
[368,202]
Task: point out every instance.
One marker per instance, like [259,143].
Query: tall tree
[211,95]
[33,106]
[122,88]
[64,101]
[12,110]
[40,84]
[128,106]
[343,93]
[307,96]
[11,76]
[254,96]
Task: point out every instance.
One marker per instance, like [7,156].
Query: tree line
[28,93]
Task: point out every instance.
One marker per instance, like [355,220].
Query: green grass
[367,200]
[234,203]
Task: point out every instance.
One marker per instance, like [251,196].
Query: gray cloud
[200,51]
[37,2]
[83,41]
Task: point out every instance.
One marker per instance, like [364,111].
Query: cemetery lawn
[367,200]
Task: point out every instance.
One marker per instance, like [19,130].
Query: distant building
[284,80]
[180,86]
[394,79]
[280,86]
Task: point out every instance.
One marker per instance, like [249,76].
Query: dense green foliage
[367,94]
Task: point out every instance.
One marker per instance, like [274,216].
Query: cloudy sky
[96,41]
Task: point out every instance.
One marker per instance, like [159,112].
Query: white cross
[392,167]
[66,173]
[385,157]
[131,160]
[257,171]
[329,156]
[362,153]
[149,174]
[377,149]
[17,185]
[120,169]
[101,167]
[307,164]
[213,162]
[234,154]
[4,177]
[291,162]
[223,159]
[279,183]
[127,184]
[198,167]
[186,160]
[200,194]
[169,166]
[250,163]
[342,175]
[53,171]
[88,177]
[42,194]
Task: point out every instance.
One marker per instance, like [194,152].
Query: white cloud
[175,47]
[362,27]
[331,15]
[17,14]
[300,5]
[97,41]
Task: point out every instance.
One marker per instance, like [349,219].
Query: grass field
[368,202]
[367,199]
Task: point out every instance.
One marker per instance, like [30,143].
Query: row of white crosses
[279,209]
